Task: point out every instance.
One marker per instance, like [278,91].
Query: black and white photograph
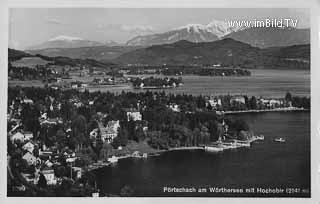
[158,102]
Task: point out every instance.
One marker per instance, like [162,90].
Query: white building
[111,131]
[174,107]
[48,173]
[238,99]
[28,135]
[31,160]
[94,134]
[27,100]
[18,136]
[134,115]
[29,146]
[215,102]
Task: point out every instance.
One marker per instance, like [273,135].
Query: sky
[31,26]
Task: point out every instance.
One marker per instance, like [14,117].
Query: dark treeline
[156,82]
[206,71]
[26,73]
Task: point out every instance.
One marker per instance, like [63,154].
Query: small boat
[261,137]
[280,139]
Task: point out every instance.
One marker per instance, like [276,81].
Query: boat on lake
[261,137]
[280,139]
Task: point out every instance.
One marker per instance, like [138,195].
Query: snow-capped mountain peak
[212,31]
[64,38]
[192,27]
[216,27]
[63,41]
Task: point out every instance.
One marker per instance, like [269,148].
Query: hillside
[272,37]
[63,41]
[291,52]
[14,55]
[226,52]
[102,53]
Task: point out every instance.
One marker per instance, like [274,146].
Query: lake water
[265,164]
[267,83]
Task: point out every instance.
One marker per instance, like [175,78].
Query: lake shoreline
[289,109]
[99,165]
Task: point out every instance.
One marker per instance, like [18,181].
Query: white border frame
[314,6]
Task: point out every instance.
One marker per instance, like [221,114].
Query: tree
[79,130]
[42,183]
[253,103]
[288,97]
[60,171]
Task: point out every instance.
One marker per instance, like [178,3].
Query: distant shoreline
[267,110]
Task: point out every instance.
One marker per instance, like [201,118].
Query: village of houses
[36,154]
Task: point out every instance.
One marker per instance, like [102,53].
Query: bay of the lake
[266,164]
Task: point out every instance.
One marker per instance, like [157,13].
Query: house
[29,146]
[84,85]
[237,99]
[275,103]
[31,160]
[174,107]
[18,136]
[111,134]
[271,103]
[28,135]
[48,163]
[28,177]
[48,173]
[45,154]
[111,131]
[74,85]
[215,102]
[78,171]
[94,133]
[134,115]
[28,101]
[50,121]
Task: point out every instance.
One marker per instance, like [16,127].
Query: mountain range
[63,41]
[225,52]
[215,30]
[14,55]
[102,53]
[75,47]
[271,37]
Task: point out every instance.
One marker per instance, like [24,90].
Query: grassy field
[29,83]
[29,62]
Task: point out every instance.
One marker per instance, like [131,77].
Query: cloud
[134,29]
[55,21]
[137,28]
[14,44]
